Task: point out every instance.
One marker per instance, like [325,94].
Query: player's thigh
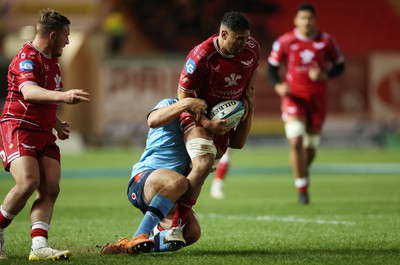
[25,171]
[163,179]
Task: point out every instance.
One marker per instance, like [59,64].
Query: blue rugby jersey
[165,147]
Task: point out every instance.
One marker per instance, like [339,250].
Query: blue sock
[159,245]
[158,208]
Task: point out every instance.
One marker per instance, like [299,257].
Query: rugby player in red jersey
[222,67]
[310,58]
[28,146]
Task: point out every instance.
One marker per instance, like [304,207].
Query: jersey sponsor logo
[294,47]
[276,46]
[190,66]
[247,63]
[184,78]
[306,56]
[319,45]
[26,75]
[26,66]
[196,49]
[232,79]
[228,94]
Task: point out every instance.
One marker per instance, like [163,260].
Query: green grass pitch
[353,218]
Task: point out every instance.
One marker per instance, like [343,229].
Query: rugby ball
[230,110]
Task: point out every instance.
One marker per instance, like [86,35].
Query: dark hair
[235,21]
[51,20]
[307,7]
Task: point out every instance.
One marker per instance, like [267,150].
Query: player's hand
[248,101]
[195,106]
[282,89]
[74,96]
[316,73]
[218,127]
[62,130]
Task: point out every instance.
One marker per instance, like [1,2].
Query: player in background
[28,146]
[310,57]
[158,180]
[217,185]
[220,68]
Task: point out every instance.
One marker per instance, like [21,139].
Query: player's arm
[280,87]
[242,131]
[36,94]
[216,127]
[317,74]
[167,114]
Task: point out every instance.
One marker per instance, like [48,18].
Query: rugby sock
[39,234]
[5,218]
[301,184]
[222,167]
[158,208]
[182,211]
[159,245]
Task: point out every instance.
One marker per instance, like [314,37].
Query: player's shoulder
[204,49]
[166,102]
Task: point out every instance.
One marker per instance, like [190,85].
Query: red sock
[4,222]
[222,169]
[182,211]
[39,232]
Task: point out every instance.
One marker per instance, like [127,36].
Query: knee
[28,184]
[296,143]
[193,235]
[49,192]
[181,184]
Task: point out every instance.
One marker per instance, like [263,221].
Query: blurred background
[128,54]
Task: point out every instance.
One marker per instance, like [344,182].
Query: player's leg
[191,232]
[42,211]
[154,193]
[294,113]
[216,190]
[295,130]
[25,172]
[202,151]
[162,189]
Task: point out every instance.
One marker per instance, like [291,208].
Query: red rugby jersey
[299,54]
[214,76]
[31,66]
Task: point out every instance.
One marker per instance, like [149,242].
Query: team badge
[133,196]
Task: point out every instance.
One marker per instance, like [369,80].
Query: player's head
[55,27]
[305,19]
[234,32]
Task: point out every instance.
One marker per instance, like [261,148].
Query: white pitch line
[291,219]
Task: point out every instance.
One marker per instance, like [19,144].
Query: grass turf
[353,218]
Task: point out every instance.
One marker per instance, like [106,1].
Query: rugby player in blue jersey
[158,180]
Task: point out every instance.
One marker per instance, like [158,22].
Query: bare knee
[27,185]
[296,143]
[192,235]
[49,192]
